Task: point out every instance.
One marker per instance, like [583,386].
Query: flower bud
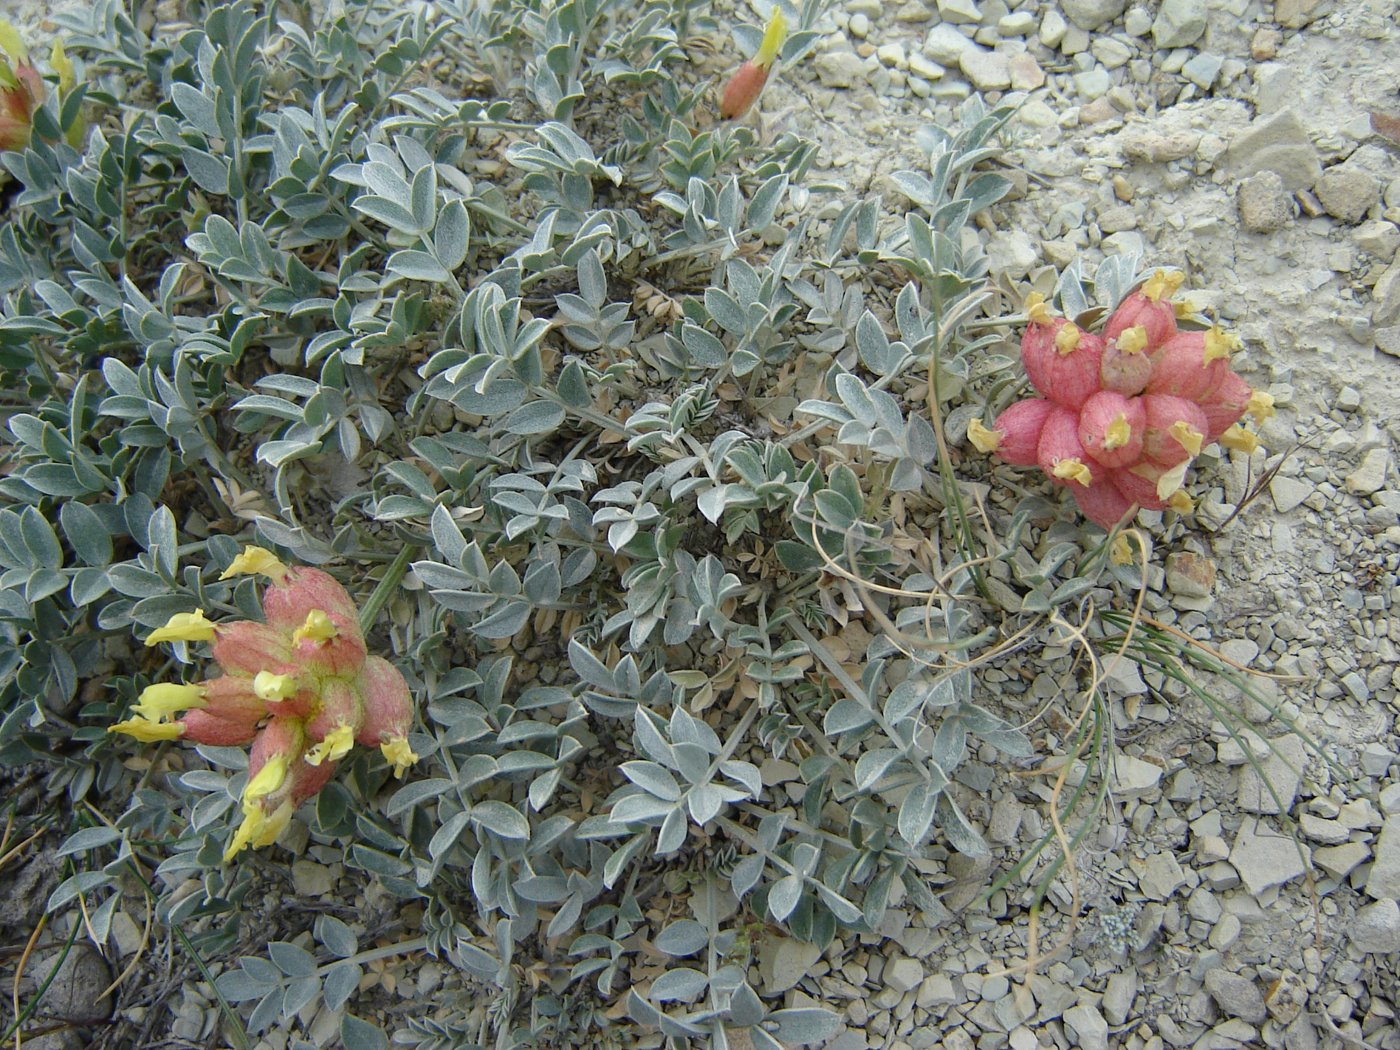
[1101,502]
[1176,429]
[1126,368]
[388,713]
[1060,453]
[746,85]
[22,90]
[1111,428]
[1017,431]
[1149,307]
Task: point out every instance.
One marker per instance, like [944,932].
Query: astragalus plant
[610,434]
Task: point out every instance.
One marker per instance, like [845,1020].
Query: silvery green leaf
[653,778]
[783,897]
[871,766]
[962,836]
[916,813]
[338,938]
[804,1025]
[342,980]
[705,802]
[845,716]
[502,819]
[745,1007]
[361,1035]
[291,959]
[746,874]
[592,283]
[452,235]
[418,266]
[673,832]
[682,984]
[412,794]
[683,937]
[535,417]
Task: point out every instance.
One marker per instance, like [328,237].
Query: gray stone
[1179,23]
[1118,997]
[1053,28]
[988,70]
[1202,69]
[1340,861]
[1279,144]
[945,44]
[1386,296]
[1090,1028]
[1287,492]
[73,994]
[1294,14]
[1282,767]
[839,69]
[903,974]
[782,962]
[1265,859]
[1287,997]
[1376,928]
[850,1039]
[936,990]
[1018,24]
[1371,473]
[1236,996]
[1347,194]
[1134,778]
[1090,14]
[960,12]
[1384,880]
[1161,877]
[1093,83]
[1378,238]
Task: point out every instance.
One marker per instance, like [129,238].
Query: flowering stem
[370,610]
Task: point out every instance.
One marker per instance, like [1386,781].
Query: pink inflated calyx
[1018,431]
[1176,429]
[1151,307]
[1112,428]
[1102,502]
[288,602]
[1225,405]
[1126,366]
[1191,364]
[1138,484]
[245,647]
[1060,453]
[1062,362]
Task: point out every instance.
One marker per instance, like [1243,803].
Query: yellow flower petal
[145,730]
[273,824]
[269,686]
[63,66]
[773,36]
[317,628]
[1118,433]
[1239,439]
[1171,480]
[268,779]
[1163,285]
[256,561]
[11,42]
[1181,502]
[1133,340]
[397,752]
[1071,469]
[254,820]
[1187,436]
[1067,339]
[1219,344]
[183,627]
[1260,405]
[1037,309]
[168,698]
[334,747]
[1121,553]
[982,439]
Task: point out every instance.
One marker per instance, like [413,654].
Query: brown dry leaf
[1386,126]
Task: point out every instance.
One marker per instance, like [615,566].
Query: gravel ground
[1231,139]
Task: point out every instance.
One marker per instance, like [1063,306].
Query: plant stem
[392,578]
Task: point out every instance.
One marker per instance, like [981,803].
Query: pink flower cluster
[1121,416]
[300,688]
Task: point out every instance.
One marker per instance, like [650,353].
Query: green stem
[369,612]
